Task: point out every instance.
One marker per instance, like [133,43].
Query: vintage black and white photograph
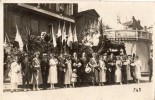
[78,51]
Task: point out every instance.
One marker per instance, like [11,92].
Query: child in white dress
[74,77]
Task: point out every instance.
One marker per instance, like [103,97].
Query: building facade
[37,18]
[84,20]
[137,40]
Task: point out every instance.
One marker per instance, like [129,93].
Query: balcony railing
[129,34]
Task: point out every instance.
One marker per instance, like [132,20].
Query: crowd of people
[66,70]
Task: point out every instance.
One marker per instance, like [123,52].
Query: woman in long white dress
[53,77]
[14,74]
[102,73]
[68,71]
[118,73]
[137,64]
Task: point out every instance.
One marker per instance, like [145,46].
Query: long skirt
[137,72]
[36,76]
[95,75]
[68,75]
[128,72]
[16,78]
[102,75]
[118,75]
[53,77]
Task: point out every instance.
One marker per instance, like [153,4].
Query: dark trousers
[112,74]
[95,76]
[124,74]
[150,75]
[44,78]
[85,78]
[60,78]
[26,80]
[108,77]
[132,71]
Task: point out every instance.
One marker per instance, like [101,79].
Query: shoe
[17,90]
[12,91]
[37,89]
[25,90]
[34,89]
[28,89]
[51,88]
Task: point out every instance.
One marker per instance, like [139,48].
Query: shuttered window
[34,27]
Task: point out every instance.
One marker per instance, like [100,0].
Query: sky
[108,11]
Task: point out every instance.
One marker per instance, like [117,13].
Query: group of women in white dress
[78,70]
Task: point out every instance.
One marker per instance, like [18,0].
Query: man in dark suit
[26,71]
[61,66]
[150,63]
[44,69]
[111,69]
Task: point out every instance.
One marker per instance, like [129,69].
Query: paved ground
[142,91]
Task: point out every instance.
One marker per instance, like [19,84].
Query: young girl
[15,71]
[74,77]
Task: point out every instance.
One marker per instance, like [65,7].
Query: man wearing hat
[26,71]
[61,66]
[44,69]
[105,59]
[111,69]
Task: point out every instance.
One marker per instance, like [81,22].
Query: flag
[59,31]
[18,38]
[59,39]
[70,38]
[75,40]
[5,41]
[53,37]
[102,38]
[6,38]
[64,38]
[64,33]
